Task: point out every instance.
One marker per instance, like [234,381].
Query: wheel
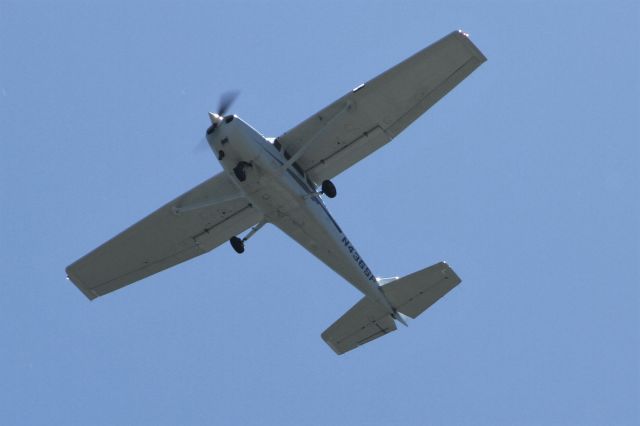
[240,173]
[329,189]
[237,244]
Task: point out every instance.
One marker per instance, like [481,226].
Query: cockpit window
[276,143]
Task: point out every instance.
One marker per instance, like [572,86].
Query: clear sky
[524,178]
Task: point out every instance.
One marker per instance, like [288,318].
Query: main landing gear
[329,189]
[238,243]
[240,171]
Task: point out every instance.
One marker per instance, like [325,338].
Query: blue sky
[524,178]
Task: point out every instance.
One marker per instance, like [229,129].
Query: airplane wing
[166,237]
[372,114]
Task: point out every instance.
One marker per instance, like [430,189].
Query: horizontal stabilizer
[365,321]
[413,294]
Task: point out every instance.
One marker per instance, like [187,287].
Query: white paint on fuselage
[288,201]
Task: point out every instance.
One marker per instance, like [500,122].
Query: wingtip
[89,293]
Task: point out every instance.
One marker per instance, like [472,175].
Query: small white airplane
[281,180]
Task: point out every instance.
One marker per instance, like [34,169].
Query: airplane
[282,181]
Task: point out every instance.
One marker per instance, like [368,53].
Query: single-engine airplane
[282,180]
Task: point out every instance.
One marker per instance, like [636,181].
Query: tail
[410,296]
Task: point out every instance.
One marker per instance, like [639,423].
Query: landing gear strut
[329,189]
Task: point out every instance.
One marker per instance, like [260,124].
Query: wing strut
[209,202]
[309,142]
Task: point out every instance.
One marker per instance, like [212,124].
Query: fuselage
[289,200]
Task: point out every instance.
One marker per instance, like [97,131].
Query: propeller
[226,100]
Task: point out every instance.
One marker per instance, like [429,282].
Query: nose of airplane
[215,118]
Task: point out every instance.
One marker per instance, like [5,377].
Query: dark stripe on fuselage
[300,181]
[321,204]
